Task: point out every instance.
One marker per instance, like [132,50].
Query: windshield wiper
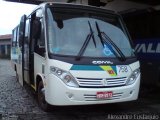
[91,31]
[107,40]
[85,44]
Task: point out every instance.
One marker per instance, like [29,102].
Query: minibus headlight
[65,76]
[133,77]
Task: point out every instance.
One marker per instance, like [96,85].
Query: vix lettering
[148,48]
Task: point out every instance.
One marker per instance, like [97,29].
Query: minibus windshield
[68,30]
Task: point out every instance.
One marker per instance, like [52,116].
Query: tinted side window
[14,37]
[38,32]
[41,40]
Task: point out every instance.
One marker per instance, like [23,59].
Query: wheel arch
[39,78]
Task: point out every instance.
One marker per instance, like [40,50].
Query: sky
[10,14]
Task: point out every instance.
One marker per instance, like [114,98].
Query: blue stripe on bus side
[86,67]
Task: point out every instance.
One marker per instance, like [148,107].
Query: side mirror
[22,29]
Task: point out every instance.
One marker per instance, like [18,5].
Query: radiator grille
[109,82]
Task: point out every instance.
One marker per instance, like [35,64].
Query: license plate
[104,95]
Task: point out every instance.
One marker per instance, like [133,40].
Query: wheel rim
[41,97]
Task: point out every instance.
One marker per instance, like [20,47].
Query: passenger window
[38,33]
[14,37]
[27,31]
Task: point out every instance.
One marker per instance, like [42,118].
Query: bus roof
[80,6]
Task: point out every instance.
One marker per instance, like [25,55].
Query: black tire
[41,98]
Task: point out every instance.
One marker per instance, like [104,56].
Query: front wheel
[41,98]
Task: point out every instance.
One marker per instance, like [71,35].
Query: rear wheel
[41,98]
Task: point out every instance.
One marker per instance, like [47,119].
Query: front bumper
[57,93]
